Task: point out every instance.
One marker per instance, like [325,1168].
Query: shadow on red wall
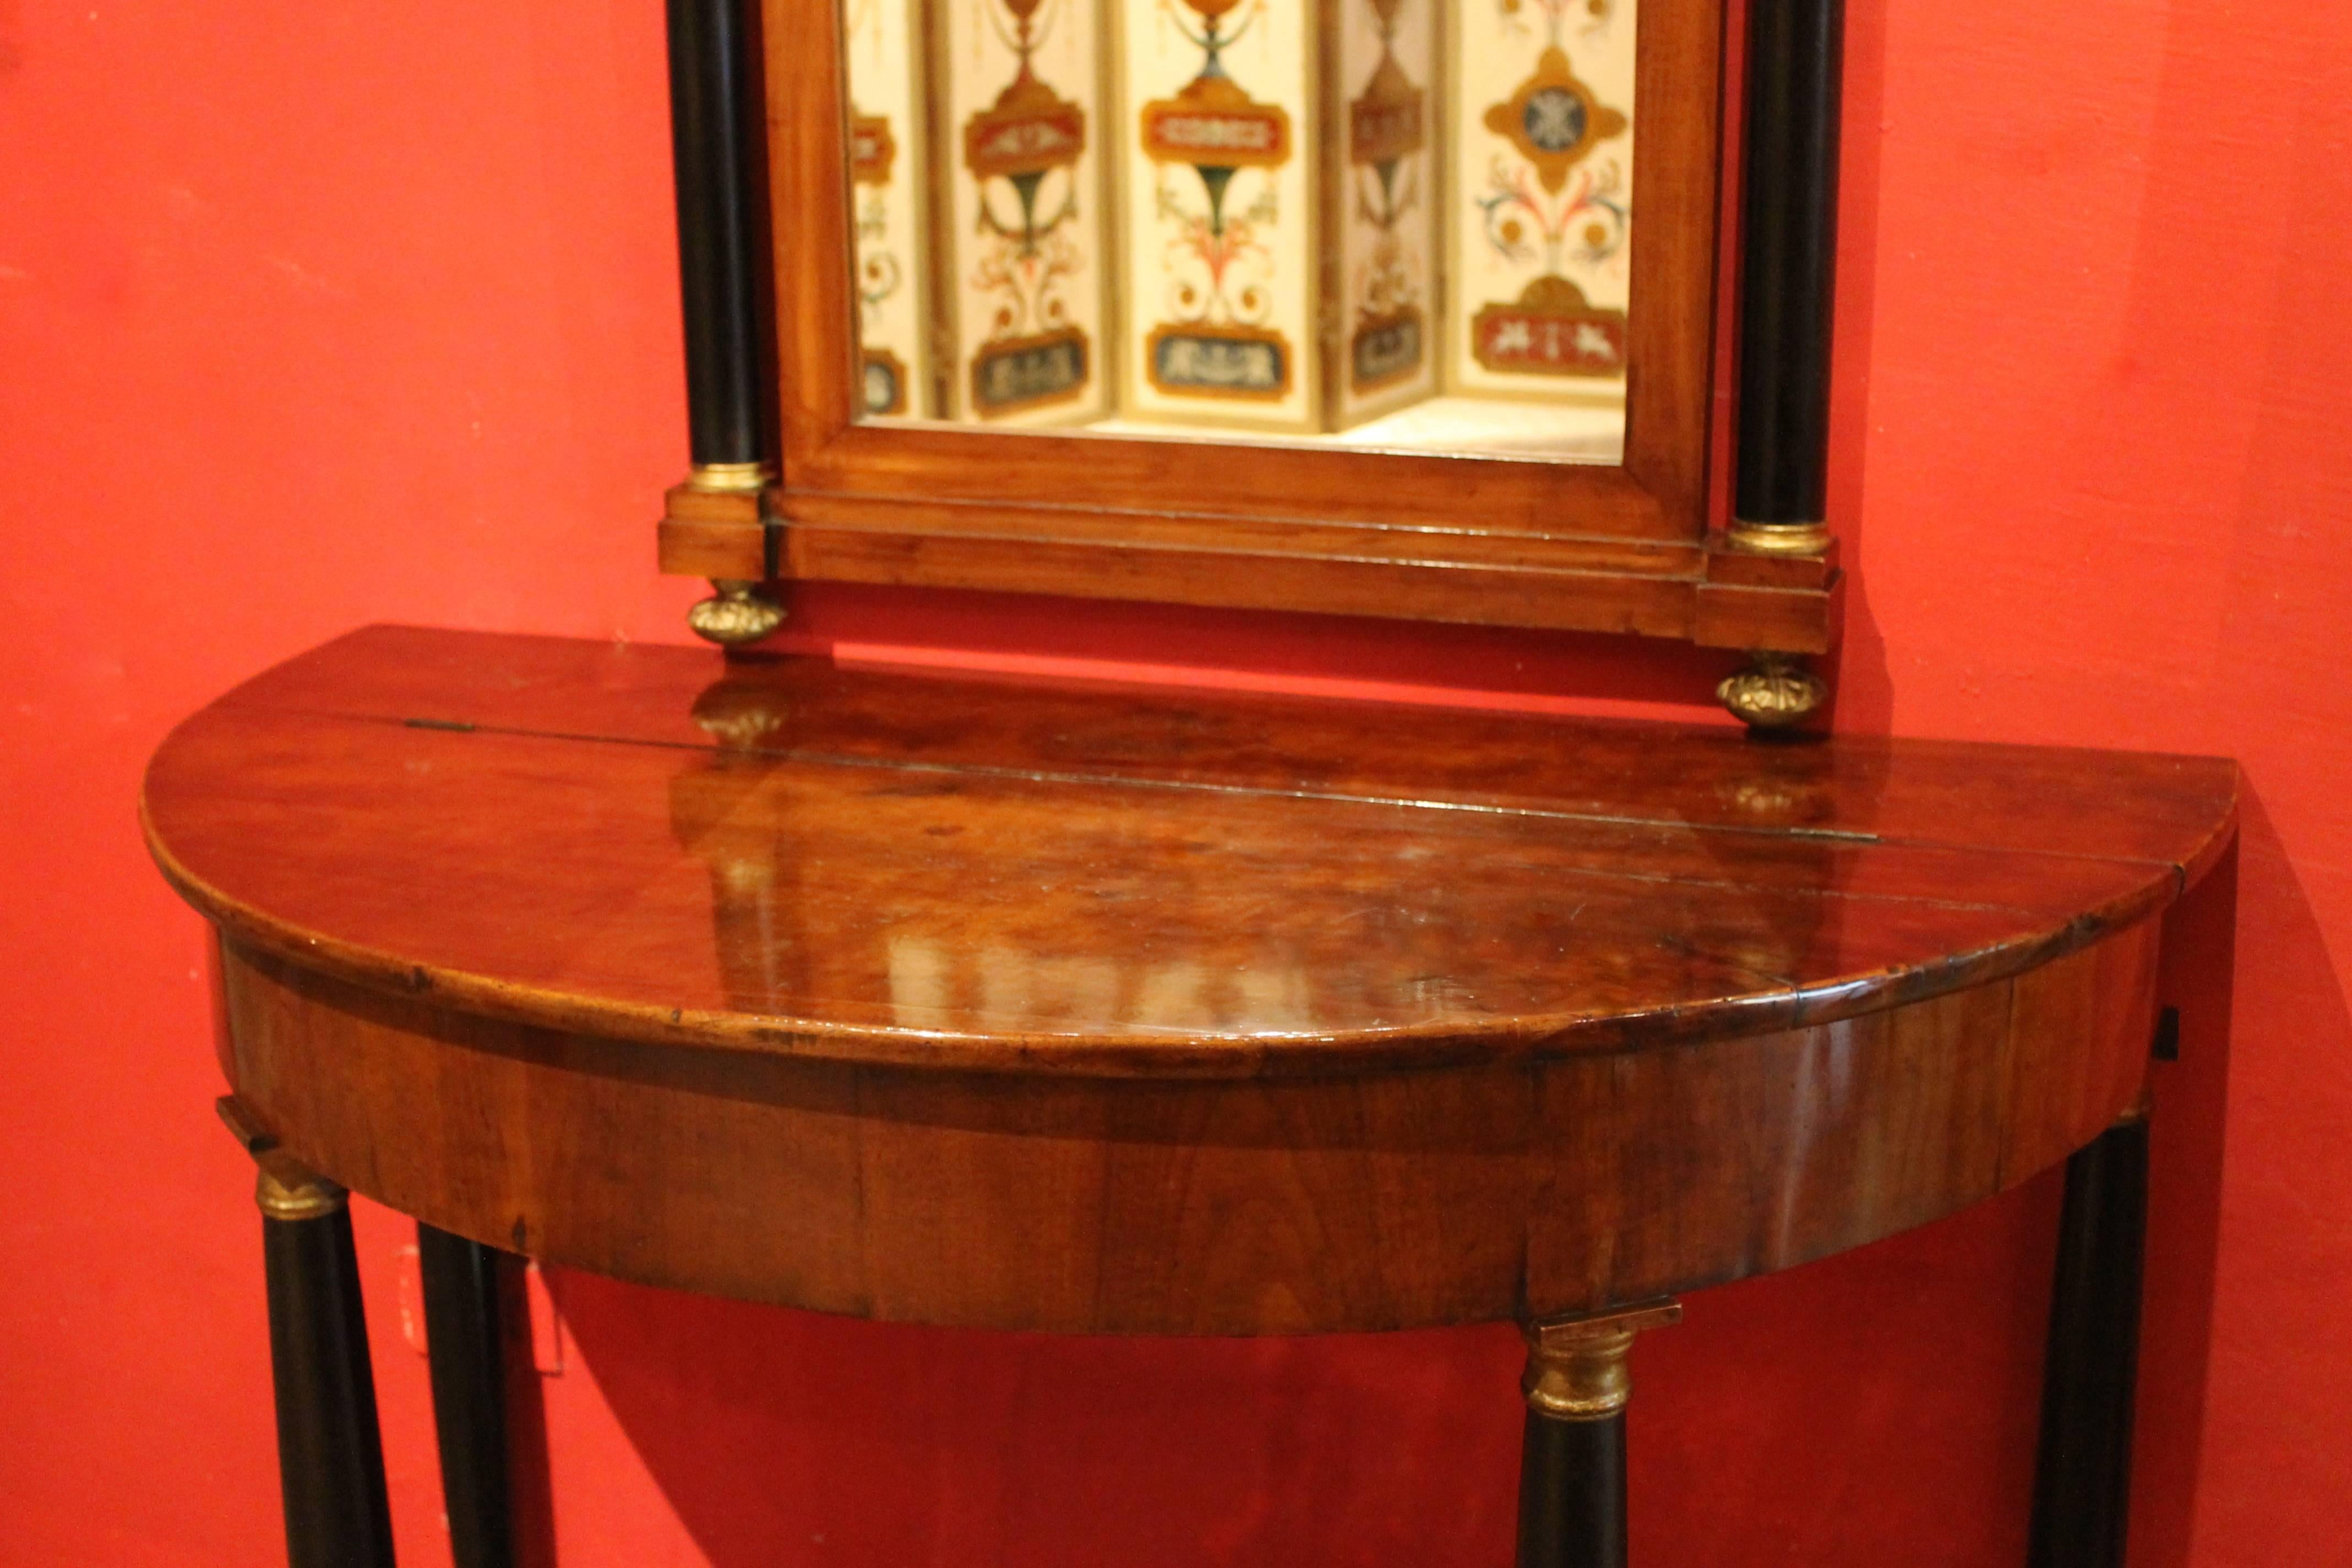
[785,1437]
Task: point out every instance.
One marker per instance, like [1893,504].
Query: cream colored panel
[1384,209]
[886,203]
[1022,105]
[1541,105]
[1217,124]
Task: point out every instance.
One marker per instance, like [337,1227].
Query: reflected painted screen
[1399,224]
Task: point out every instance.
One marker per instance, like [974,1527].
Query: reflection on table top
[784,855]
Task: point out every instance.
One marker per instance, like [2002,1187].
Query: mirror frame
[1260,525]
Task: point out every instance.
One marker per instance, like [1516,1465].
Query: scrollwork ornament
[1775,692]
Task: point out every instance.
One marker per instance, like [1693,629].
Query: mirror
[1327,306]
[1398,225]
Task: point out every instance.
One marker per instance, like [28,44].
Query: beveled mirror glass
[1400,225]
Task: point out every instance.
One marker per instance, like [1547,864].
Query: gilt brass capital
[287,1190]
[1779,538]
[1578,1367]
[730,478]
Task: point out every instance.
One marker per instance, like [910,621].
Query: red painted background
[312,315]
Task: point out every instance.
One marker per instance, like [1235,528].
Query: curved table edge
[1178,1057]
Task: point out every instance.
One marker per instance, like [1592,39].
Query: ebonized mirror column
[1787,301]
[716,143]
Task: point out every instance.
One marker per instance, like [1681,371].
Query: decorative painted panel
[1541,207]
[1384,217]
[1382,203]
[1281,245]
[1218,272]
[886,197]
[1019,184]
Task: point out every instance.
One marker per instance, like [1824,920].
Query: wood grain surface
[1085,1008]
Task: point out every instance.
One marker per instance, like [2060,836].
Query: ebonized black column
[714,127]
[1572,1494]
[329,1452]
[1788,256]
[2081,1488]
[464,1332]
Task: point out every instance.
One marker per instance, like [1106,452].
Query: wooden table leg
[2082,1486]
[329,1451]
[1572,1461]
[464,1335]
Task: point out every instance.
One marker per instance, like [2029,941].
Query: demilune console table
[960,1001]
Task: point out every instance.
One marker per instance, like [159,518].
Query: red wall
[311,315]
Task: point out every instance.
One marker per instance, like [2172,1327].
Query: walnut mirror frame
[788,484]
